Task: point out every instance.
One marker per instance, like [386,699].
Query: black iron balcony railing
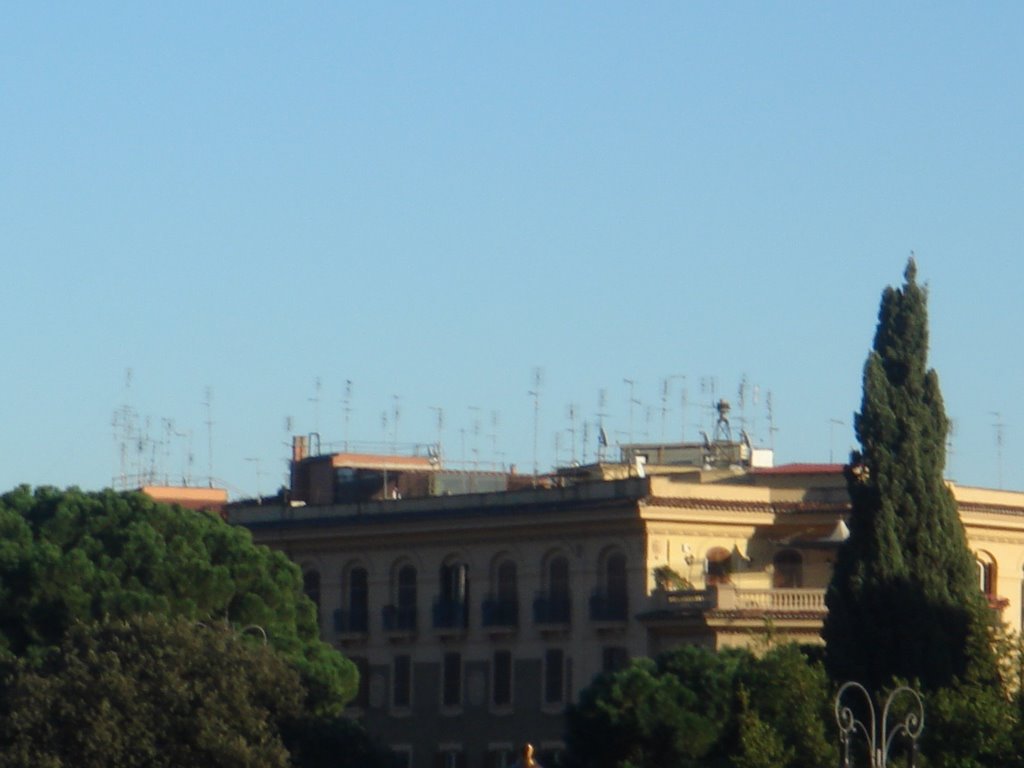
[398,618]
[351,622]
[500,613]
[552,609]
[450,614]
[605,607]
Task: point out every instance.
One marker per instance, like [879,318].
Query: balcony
[351,623]
[725,597]
[500,615]
[398,620]
[552,611]
[608,609]
[792,613]
[451,616]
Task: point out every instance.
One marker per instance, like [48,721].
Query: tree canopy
[134,633]
[694,707]
[904,598]
[149,690]
[71,556]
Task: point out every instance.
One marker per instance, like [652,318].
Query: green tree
[790,694]
[758,744]
[68,556]
[149,691]
[671,711]
[694,707]
[904,598]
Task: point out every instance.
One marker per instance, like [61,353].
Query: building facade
[477,617]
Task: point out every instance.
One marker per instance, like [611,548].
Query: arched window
[610,602]
[558,579]
[553,604]
[455,582]
[501,606]
[405,593]
[788,570]
[400,615]
[451,608]
[987,575]
[615,577]
[358,599]
[311,587]
[718,566]
[506,589]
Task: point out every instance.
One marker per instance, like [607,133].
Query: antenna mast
[315,400]
[124,427]
[832,424]
[742,397]
[440,429]
[632,401]
[209,434]
[347,408]
[394,427]
[602,437]
[475,423]
[494,440]
[999,425]
[572,433]
[535,394]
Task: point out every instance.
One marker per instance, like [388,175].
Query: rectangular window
[401,689]
[501,683]
[499,758]
[450,758]
[451,695]
[554,676]
[551,757]
[362,698]
[614,658]
[402,756]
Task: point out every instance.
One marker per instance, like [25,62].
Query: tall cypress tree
[904,599]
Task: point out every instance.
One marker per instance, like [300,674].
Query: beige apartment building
[478,608]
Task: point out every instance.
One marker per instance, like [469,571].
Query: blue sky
[433,200]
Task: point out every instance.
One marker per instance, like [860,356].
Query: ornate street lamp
[879,737]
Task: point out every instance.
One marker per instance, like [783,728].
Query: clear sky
[235,201]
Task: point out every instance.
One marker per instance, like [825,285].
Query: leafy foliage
[149,691]
[968,725]
[758,744]
[904,600]
[70,556]
[127,638]
[694,707]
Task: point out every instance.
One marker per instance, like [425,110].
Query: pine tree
[904,600]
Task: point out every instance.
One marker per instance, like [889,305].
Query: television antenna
[741,396]
[123,424]
[208,402]
[394,427]
[315,400]
[572,433]
[538,375]
[347,408]
[440,428]
[832,424]
[475,424]
[494,435]
[999,426]
[602,436]
[632,401]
